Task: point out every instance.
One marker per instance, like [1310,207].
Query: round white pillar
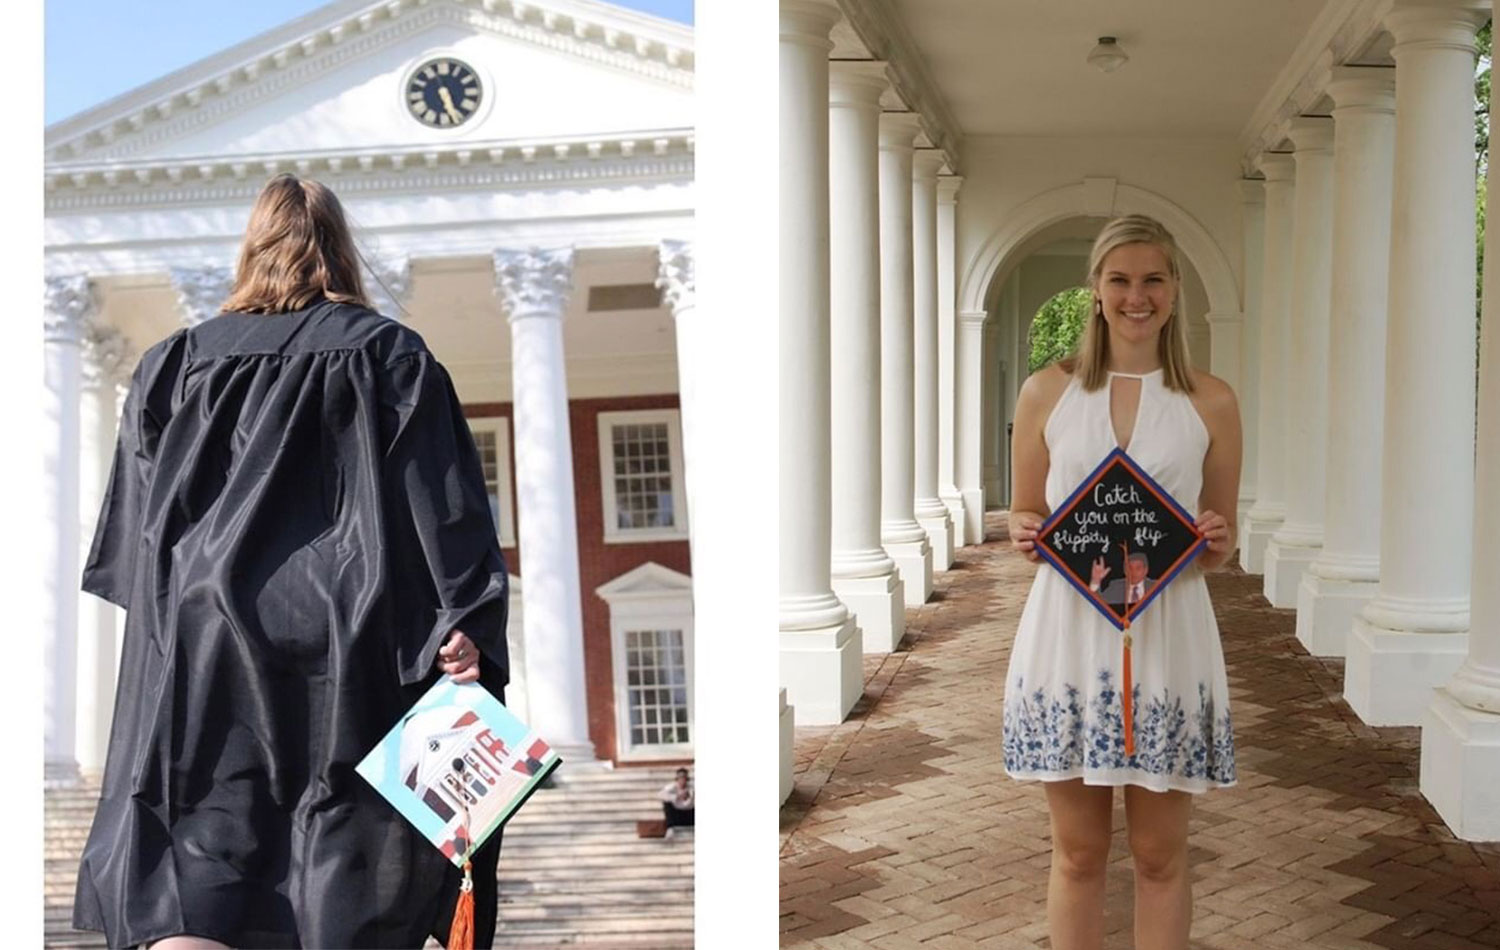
[904,538]
[388,285]
[928,507]
[201,291]
[675,280]
[1253,218]
[864,576]
[969,426]
[1460,772]
[100,623]
[820,644]
[947,288]
[533,288]
[69,306]
[1305,427]
[1412,636]
[1342,578]
[1269,510]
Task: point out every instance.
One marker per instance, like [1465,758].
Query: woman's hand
[1215,528]
[1024,527]
[459,658]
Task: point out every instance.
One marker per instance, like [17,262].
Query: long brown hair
[297,248]
[1091,363]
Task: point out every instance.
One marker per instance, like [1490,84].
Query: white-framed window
[492,439]
[651,635]
[640,472]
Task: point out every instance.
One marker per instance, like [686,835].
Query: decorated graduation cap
[1120,539]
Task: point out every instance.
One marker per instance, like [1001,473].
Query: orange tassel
[461,934]
[1126,686]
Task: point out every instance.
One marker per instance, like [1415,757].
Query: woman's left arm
[1219,503]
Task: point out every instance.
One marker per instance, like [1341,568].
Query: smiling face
[1135,570]
[1137,291]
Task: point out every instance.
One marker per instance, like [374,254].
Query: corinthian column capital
[108,357]
[675,274]
[201,291]
[387,284]
[533,282]
[70,304]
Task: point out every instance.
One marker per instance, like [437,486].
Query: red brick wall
[598,563]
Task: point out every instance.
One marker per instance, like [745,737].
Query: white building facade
[534,224]
[1316,166]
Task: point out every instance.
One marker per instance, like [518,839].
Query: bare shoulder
[1041,390]
[1215,400]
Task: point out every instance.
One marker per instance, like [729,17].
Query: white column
[948,399]
[675,280]
[820,643]
[388,285]
[100,624]
[968,378]
[1460,771]
[1413,635]
[1342,578]
[864,576]
[69,305]
[1305,428]
[201,291]
[533,288]
[1253,216]
[1269,510]
[1226,348]
[904,538]
[931,513]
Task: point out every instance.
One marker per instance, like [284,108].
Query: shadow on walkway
[903,830]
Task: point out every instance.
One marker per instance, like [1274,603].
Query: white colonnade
[533,287]
[1413,635]
[930,510]
[947,342]
[864,576]
[1343,576]
[1269,511]
[820,643]
[1305,430]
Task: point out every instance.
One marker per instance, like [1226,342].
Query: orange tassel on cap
[461,934]
[1127,691]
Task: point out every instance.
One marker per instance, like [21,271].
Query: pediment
[336,80]
[648,581]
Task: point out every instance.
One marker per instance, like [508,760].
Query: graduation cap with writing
[1119,539]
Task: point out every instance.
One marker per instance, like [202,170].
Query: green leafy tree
[1058,324]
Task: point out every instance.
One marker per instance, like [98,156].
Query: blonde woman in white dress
[1129,385]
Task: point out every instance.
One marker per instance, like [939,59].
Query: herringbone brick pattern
[903,830]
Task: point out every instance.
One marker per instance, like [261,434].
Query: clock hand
[447,98]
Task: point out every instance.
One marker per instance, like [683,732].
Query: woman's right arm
[1029,458]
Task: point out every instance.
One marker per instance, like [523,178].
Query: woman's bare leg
[1158,827]
[187,942]
[1080,850]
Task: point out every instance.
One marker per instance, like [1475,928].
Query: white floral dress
[1063,717]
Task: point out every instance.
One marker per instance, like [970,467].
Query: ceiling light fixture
[1107,55]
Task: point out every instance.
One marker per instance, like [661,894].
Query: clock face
[443,93]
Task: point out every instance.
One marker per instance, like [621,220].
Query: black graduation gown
[295,521]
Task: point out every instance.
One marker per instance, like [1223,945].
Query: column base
[821,672]
[1460,772]
[1389,675]
[1284,566]
[973,516]
[914,566]
[878,608]
[788,742]
[955,505]
[1326,608]
[1253,542]
[940,537]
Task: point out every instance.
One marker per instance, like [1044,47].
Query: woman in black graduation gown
[297,524]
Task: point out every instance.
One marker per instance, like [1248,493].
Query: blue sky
[97,49]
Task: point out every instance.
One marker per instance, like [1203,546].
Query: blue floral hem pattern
[1056,734]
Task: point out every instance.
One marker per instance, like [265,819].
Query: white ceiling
[1017,67]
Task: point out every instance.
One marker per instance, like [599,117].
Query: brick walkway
[903,830]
